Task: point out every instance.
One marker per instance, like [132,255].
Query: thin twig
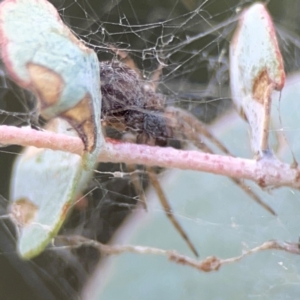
[210,263]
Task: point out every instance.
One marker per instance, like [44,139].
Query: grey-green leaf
[44,185]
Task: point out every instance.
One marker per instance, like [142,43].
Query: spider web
[191,39]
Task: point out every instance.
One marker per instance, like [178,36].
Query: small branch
[211,263]
[265,172]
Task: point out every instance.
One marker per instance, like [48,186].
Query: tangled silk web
[190,40]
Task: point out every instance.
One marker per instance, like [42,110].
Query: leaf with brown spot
[57,67]
[256,69]
[44,186]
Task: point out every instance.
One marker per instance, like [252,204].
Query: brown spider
[129,104]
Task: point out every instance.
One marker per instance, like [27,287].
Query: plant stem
[265,172]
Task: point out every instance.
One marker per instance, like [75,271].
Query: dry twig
[210,263]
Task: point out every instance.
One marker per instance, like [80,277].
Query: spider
[129,104]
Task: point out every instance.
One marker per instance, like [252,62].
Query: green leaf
[44,185]
[256,69]
[41,54]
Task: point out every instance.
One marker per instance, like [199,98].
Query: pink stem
[265,172]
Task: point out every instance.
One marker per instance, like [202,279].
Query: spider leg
[163,200]
[155,77]
[135,178]
[125,58]
[190,127]
[161,196]
[168,210]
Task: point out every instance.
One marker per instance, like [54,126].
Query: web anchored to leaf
[138,108]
